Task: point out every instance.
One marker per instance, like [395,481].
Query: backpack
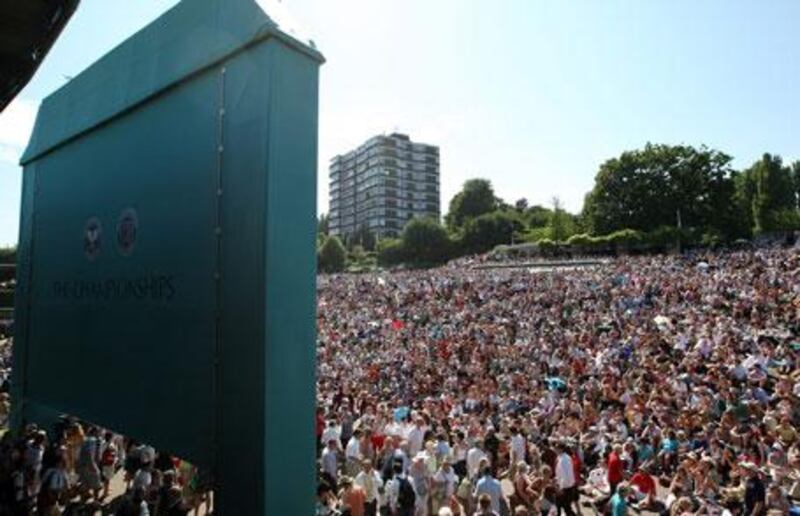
[406,497]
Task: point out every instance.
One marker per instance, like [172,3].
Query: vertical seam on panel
[218,193]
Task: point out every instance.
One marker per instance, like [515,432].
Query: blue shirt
[669,445]
[490,486]
[645,453]
[619,507]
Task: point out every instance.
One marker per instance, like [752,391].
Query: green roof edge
[93,98]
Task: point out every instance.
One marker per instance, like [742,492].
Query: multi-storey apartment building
[383,184]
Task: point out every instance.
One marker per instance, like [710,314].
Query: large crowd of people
[662,384]
[655,384]
[69,470]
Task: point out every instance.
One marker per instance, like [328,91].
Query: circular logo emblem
[92,238]
[127,227]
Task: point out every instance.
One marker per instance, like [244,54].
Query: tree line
[654,195]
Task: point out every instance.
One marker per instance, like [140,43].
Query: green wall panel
[167,262]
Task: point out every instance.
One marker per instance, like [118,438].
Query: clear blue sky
[531,94]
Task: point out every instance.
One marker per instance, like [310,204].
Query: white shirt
[474,457]
[353,450]
[517,447]
[459,452]
[362,479]
[415,440]
[565,474]
[449,479]
[331,433]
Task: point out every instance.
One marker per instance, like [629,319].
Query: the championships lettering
[145,288]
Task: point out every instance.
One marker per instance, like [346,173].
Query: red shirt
[576,469]
[615,474]
[644,483]
[320,425]
[377,441]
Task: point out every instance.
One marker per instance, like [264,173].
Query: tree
[796,178]
[538,216]
[521,205]
[391,252]
[332,256]
[323,224]
[483,233]
[727,217]
[774,193]
[475,199]
[560,223]
[655,186]
[744,193]
[425,242]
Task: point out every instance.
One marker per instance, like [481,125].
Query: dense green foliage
[560,223]
[425,242]
[476,198]
[489,230]
[774,196]
[332,255]
[662,185]
[391,252]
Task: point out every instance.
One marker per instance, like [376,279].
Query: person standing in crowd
[460,451]
[170,497]
[352,454]
[619,502]
[518,447]
[353,498]
[34,455]
[489,486]
[401,493]
[615,467]
[754,491]
[485,506]
[416,437]
[443,486]
[330,462]
[55,486]
[108,461]
[326,501]
[418,472]
[475,456]
[370,481]
[565,480]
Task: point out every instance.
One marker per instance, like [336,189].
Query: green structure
[166,269]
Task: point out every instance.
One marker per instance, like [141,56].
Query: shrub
[536,234]
[390,252]
[332,256]
[546,245]
[425,242]
[625,237]
[490,230]
[580,240]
